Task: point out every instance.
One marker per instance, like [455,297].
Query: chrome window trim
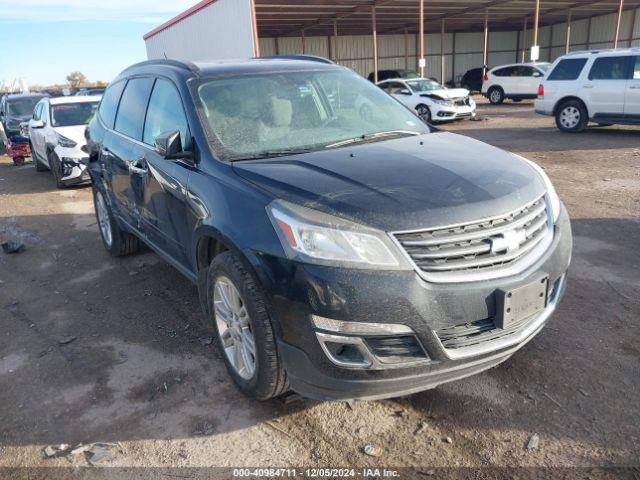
[515,268]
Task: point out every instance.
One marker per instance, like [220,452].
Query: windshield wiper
[271,154]
[373,136]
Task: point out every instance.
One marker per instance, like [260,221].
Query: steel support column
[254,27]
[336,45]
[619,19]
[568,37]
[442,52]
[536,21]
[524,40]
[485,48]
[406,49]
[374,39]
[304,42]
[421,58]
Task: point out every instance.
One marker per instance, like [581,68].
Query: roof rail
[308,58]
[168,62]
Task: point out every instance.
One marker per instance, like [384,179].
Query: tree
[76,79]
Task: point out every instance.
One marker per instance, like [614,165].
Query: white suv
[517,81]
[56,136]
[602,86]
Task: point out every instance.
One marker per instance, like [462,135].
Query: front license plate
[518,304]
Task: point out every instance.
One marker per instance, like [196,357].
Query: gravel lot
[96,349]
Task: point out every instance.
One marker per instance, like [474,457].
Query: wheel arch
[566,99]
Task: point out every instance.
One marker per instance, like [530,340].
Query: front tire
[115,240]
[18,161]
[572,117]
[238,308]
[424,113]
[496,95]
[56,169]
[36,163]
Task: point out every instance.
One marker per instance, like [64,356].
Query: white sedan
[431,101]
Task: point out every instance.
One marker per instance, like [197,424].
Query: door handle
[635,87]
[587,86]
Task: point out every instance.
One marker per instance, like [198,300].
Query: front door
[164,209]
[632,96]
[604,90]
[123,152]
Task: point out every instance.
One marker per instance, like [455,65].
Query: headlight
[446,103]
[314,237]
[554,200]
[65,142]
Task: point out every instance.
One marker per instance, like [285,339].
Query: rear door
[164,210]
[632,96]
[606,85]
[506,78]
[123,151]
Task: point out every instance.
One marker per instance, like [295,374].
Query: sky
[44,40]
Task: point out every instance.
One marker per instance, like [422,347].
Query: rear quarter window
[569,69]
[611,68]
[109,104]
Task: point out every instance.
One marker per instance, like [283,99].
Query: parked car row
[336,253]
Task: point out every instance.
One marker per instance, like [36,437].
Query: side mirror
[404,91]
[537,74]
[169,146]
[36,124]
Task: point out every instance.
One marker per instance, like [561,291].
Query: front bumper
[73,163]
[397,298]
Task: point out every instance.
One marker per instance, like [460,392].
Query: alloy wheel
[495,96]
[234,327]
[424,113]
[103,219]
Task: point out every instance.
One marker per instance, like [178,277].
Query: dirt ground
[96,349]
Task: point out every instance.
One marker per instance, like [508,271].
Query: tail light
[541,91]
[486,77]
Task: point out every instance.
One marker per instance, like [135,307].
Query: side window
[44,113]
[505,72]
[165,114]
[37,112]
[636,69]
[524,71]
[395,87]
[109,104]
[610,68]
[569,69]
[133,106]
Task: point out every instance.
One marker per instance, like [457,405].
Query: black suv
[338,255]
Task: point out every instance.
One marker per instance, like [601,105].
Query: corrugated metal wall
[355,52]
[221,30]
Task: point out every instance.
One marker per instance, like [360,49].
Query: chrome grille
[486,245]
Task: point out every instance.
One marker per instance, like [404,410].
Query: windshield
[408,74]
[23,106]
[277,112]
[69,114]
[424,85]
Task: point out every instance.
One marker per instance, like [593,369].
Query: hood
[403,184]
[450,93]
[75,133]
[14,121]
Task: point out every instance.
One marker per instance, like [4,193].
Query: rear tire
[264,377]
[572,117]
[18,161]
[115,240]
[496,95]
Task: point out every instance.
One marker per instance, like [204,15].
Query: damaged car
[56,137]
[430,100]
[338,255]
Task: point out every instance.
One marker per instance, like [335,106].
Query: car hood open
[403,184]
[75,133]
[448,94]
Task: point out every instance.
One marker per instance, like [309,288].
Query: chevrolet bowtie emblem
[508,241]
